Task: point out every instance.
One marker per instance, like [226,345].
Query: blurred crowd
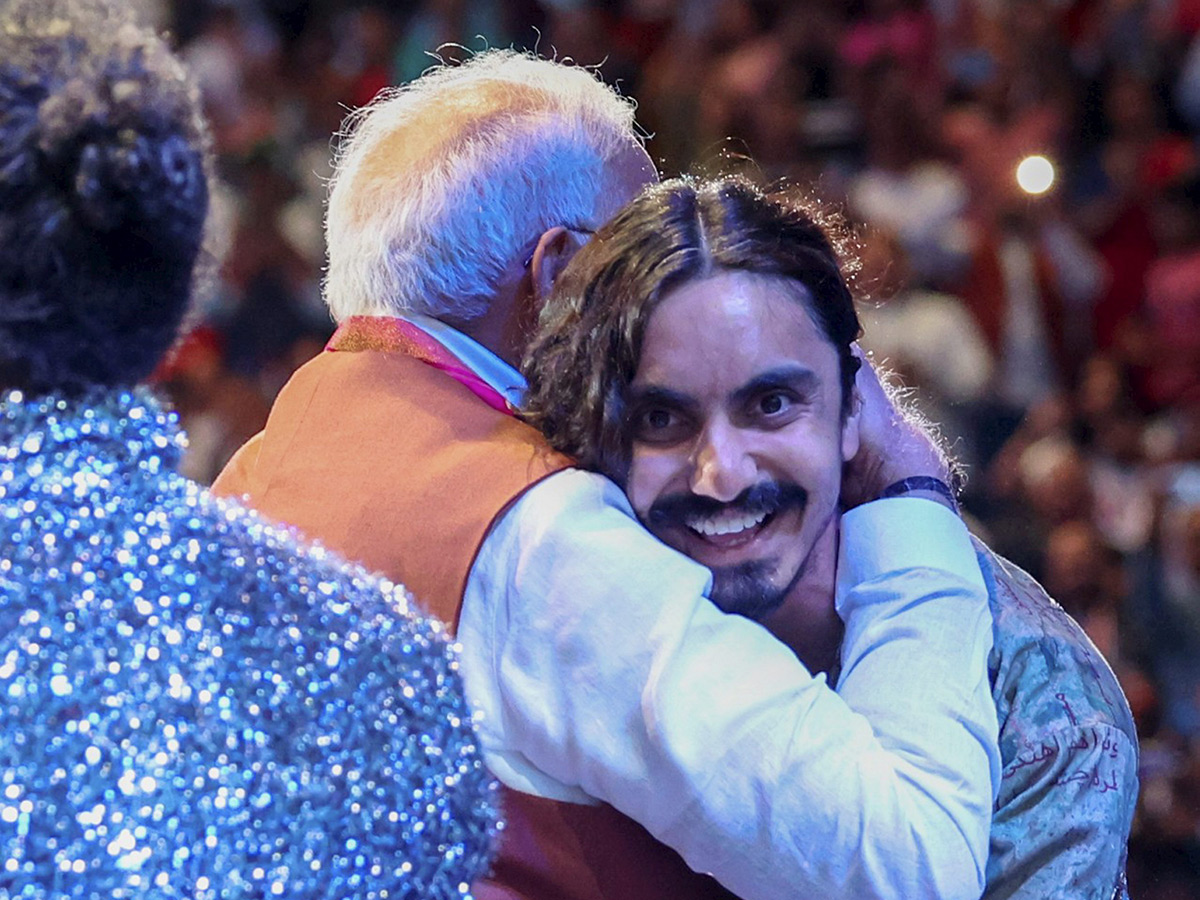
[1054,333]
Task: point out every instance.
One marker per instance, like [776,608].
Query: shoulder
[217,644]
[574,535]
[274,563]
[579,519]
[575,492]
[388,405]
[1047,676]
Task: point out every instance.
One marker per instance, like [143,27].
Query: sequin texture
[193,704]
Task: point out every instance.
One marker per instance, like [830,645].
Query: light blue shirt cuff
[888,536]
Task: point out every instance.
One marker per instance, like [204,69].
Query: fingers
[893,442]
[879,408]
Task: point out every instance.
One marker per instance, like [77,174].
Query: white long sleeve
[601,671]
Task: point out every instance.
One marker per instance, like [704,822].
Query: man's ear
[553,251]
[850,434]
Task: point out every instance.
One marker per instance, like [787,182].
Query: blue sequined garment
[192,704]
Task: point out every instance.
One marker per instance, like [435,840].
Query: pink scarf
[388,335]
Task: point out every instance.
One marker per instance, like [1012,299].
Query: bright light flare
[1035,174]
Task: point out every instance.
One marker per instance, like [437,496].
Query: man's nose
[722,465]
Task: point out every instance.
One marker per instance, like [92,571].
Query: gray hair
[439,184]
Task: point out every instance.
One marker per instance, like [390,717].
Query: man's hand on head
[893,446]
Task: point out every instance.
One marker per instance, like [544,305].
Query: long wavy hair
[585,352]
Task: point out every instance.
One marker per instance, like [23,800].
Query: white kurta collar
[498,374]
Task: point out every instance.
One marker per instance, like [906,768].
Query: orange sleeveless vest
[393,463]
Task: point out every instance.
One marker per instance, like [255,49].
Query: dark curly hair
[103,195]
[585,352]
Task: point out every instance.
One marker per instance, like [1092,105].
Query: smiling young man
[737,462]
[699,352]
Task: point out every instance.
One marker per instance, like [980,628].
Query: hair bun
[103,193]
[124,156]
[137,179]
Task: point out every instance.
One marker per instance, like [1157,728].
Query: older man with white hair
[641,734]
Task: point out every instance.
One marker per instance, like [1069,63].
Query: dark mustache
[765,497]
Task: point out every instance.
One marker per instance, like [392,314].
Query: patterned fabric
[194,705]
[1069,749]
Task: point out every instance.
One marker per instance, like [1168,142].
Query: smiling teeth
[727,523]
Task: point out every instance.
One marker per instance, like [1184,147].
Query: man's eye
[659,426]
[658,419]
[774,403]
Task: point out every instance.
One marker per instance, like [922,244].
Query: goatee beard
[744,589]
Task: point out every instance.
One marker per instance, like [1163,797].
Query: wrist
[925,487]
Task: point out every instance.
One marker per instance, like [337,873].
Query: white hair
[439,184]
